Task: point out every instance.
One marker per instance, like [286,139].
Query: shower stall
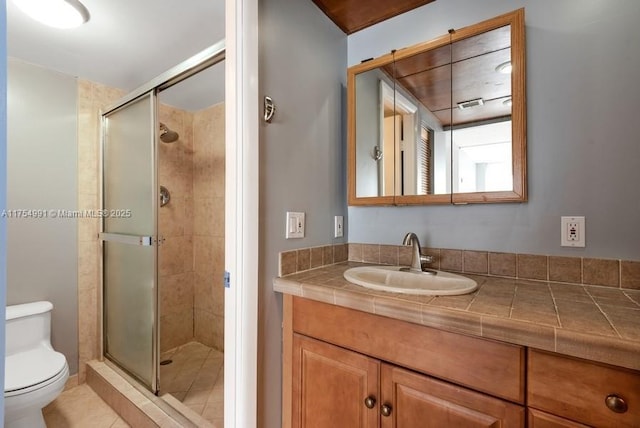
[163,234]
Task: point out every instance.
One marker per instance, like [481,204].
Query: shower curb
[134,406]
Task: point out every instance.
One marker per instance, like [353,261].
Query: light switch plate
[295,225]
[338,226]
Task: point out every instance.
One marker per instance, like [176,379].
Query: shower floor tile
[196,378]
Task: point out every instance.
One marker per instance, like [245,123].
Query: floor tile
[81,407]
[195,377]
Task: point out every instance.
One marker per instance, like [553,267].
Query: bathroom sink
[397,279]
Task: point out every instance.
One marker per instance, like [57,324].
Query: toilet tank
[28,326]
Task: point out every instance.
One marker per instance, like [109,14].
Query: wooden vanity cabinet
[594,394]
[346,368]
[335,387]
[330,385]
[539,419]
[415,400]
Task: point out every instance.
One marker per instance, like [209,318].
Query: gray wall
[583,64]
[42,175]
[303,68]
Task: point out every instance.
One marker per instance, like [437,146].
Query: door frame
[241,214]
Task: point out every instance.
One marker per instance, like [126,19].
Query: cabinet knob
[370,402]
[616,403]
[386,410]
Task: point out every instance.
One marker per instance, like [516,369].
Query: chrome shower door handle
[122,238]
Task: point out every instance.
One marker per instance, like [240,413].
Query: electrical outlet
[295,225]
[572,230]
[338,226]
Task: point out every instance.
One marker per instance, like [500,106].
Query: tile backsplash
[574,270]
[310,258]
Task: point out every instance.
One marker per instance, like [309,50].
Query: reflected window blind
[425,156]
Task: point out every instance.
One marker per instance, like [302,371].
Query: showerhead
[167,135]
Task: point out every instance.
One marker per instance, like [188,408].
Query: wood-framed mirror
[443,121]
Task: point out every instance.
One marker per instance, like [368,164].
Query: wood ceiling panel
[431,79]
[354,15]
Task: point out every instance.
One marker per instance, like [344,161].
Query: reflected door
[129,204]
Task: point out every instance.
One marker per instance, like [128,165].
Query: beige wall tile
[355,252]
[630,275]
[203,253]
[601,272]
[327,254]
[176,293]
[451,260]
[176,329]
[532,266]
[475,262]
[341,252]
[565,269]
[203,292]
[370,253]
[288,262]
[317,257]
[502,264]
[389,254]
[304,259]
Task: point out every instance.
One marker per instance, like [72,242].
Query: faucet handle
[426,259]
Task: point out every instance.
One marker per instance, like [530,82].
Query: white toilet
[35,374]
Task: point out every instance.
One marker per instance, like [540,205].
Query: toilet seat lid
[28,368]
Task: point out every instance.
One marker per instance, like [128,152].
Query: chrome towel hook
[269,109]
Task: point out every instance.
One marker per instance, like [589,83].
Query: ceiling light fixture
[504,68]
[55,13]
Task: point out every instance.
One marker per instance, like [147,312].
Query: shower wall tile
[177,293]
[203,292]
[209,329]
[208,221]
[203,250]
[176,329]
[176,255]
[92,97]
[172,218]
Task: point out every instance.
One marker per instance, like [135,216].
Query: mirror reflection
[434,123]
[481,112]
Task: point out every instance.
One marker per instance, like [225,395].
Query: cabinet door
[330,386]
[538,419]
[421,401]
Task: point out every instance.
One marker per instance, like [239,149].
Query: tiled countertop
[591,322]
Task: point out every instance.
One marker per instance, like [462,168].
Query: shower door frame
[199,62]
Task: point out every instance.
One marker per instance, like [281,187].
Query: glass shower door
[129,202]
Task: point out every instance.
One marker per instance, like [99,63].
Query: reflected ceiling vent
[463,105]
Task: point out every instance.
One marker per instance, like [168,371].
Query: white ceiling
[126,43]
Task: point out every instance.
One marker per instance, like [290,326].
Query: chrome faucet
[417,258]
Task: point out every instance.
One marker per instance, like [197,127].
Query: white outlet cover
[572,231]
